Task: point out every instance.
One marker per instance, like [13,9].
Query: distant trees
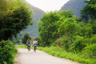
[25,38]
[89,12]
[90,9]
[13,18]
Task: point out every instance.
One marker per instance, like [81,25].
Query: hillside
[74,5]
[33,29]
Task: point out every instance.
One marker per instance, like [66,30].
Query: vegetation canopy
[13,18]
[65,31]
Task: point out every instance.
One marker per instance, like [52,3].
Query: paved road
[29,57]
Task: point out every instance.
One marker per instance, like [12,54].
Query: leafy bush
[94,26]
[90,51]
[93,39]
[78,44]
[63,42]
[68,26]
[7,52]
[86,29]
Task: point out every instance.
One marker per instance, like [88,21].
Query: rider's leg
[28,47]
[34,48]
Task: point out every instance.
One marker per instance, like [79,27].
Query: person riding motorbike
[35,44]
[28,45]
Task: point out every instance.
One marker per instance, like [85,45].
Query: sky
[48,5]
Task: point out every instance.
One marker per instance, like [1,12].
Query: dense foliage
[13,18]
[48,28]
[7,52]
[26,38]
[15,15]
[89,13]
[90,9]
[8,6]
[70,33]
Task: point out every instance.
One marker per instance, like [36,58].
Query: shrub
[90,51]
[68,26]
[78,44]
[86,29]
[94,26]
[7,52]
[62,42]
[93,39]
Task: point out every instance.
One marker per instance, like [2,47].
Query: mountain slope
[75,6]
[33,29]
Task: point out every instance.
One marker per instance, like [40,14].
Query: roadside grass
[56,51]
[21,46]
[59,52]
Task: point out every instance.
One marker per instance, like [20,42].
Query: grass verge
[55,51]
[21,46]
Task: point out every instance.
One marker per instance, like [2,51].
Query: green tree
[48,28]
[7,6]
[16,20]
[90,9]
[68,26]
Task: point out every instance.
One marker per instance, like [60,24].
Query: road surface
[30,57]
